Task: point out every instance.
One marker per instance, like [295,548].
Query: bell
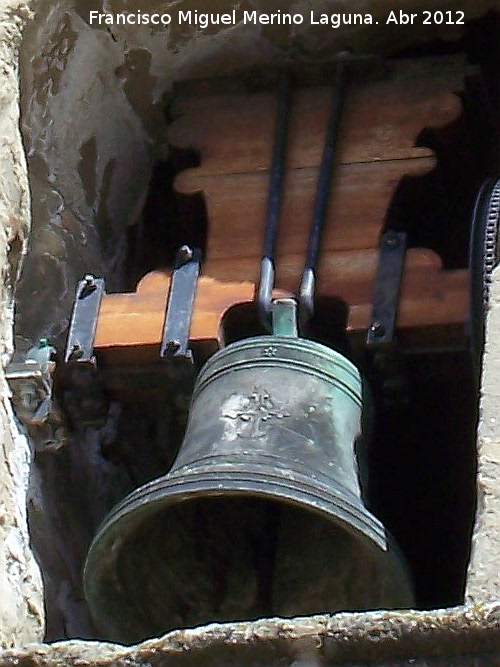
[261,513]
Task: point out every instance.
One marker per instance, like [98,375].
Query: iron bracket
[31,384]
[83,397]
[175,340]
[386,360]
[80,344]
[391,258]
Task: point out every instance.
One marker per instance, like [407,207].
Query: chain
[491,240]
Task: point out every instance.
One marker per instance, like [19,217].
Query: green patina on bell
[262,511]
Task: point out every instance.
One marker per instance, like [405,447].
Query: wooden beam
[429,296]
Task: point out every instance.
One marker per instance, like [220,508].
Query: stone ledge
[400,637]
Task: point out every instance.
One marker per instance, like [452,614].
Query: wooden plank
[334,268]
[442,299]
[356,214]
[429,296]
[381,121]
[137,318]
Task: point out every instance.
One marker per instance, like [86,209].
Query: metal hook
[267,270]
[308,280]
[267,267]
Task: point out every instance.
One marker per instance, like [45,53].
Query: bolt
[171,348]
[392,241]
[185,254]
[28,396]
[89,286]
[76,352]
[377,329]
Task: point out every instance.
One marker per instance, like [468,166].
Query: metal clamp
[391,257]
[175,340]
[31,384]
[387,363]
[80,344]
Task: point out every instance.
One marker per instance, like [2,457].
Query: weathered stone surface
[21,605]
[484,572]
[456,636]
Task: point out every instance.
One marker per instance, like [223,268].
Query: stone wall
[484,571]
[21,604]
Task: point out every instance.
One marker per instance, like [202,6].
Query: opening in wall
[116,192]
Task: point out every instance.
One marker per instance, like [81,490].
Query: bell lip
[183,486]
[215,476]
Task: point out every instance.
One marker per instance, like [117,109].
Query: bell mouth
[195,547]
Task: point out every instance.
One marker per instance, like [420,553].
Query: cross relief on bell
[252,414]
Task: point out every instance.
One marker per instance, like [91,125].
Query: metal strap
[80,344]
[391,257]
[180,302]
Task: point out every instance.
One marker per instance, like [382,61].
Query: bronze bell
[262,511]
